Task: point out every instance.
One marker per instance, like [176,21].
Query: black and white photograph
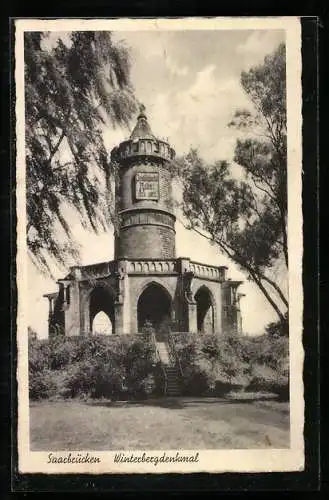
[159,245]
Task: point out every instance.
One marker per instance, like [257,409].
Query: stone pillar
[118,318]
[84,298]
[192,317]
[190,303]
[51,307]
[85,328]
[72,313]
[183,265]
[230,307]
[50,314]
[121,304]
[239,319]
[71,307]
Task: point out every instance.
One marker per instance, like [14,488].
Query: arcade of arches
[145,253]
[154,307]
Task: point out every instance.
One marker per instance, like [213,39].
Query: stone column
[71,307]
[51,307]
[118,318]
[191,305]
[50,314]
[192,316]
[72,314]
[85,328]
[121,304]
[230,307]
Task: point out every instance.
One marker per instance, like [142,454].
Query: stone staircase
[173,386]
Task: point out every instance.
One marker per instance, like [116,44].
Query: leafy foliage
[213,365]
[93,367]
[247,216]
[278,328]
[42,385]
[126,367]
[72,89]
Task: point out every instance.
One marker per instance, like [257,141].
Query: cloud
[259,44]
[198,115]
[174,67]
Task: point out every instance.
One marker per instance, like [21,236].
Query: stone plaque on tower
[147,186]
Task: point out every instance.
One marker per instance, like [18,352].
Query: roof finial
[142,128]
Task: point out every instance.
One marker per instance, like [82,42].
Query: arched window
[205,311]
[101,311]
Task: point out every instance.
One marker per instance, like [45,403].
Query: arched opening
[101,311]
[102,324]
[153,307]
[205,311]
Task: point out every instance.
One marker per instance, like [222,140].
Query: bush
[212,365]
[217,365]
[95,367]
[140,362]
[42,385]
[38,355]
[95,380]
[126,366]
[278,328]
[266,378]
[62,352]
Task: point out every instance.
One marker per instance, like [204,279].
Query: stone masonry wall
[127,186]
[146,241]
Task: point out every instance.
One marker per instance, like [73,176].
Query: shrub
[100,366]
[95,380]
[198,373]
[39,354]
[139,362]
[126,366]
[268,359]
[266,378]
[217,365]
[144,388]
[42,385]
[278,328]
[62,352]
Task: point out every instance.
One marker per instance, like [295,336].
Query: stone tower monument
[145,201]
[146,282]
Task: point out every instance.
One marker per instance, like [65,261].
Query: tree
[277,328]
[73,87]
[247,217]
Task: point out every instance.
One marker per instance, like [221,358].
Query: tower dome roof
[142,128]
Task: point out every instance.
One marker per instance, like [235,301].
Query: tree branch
[250,270]
[277,288]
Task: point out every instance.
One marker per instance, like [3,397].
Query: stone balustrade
[152,267]
[96,270]
[208,272]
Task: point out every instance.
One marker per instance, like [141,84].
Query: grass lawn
[186,423]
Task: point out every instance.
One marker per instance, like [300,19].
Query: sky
[189,82]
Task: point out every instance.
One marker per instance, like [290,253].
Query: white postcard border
[209,460]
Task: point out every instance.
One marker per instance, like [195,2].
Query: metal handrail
[160,360]
[173,349]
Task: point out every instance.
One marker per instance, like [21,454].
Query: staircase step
[173,375]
